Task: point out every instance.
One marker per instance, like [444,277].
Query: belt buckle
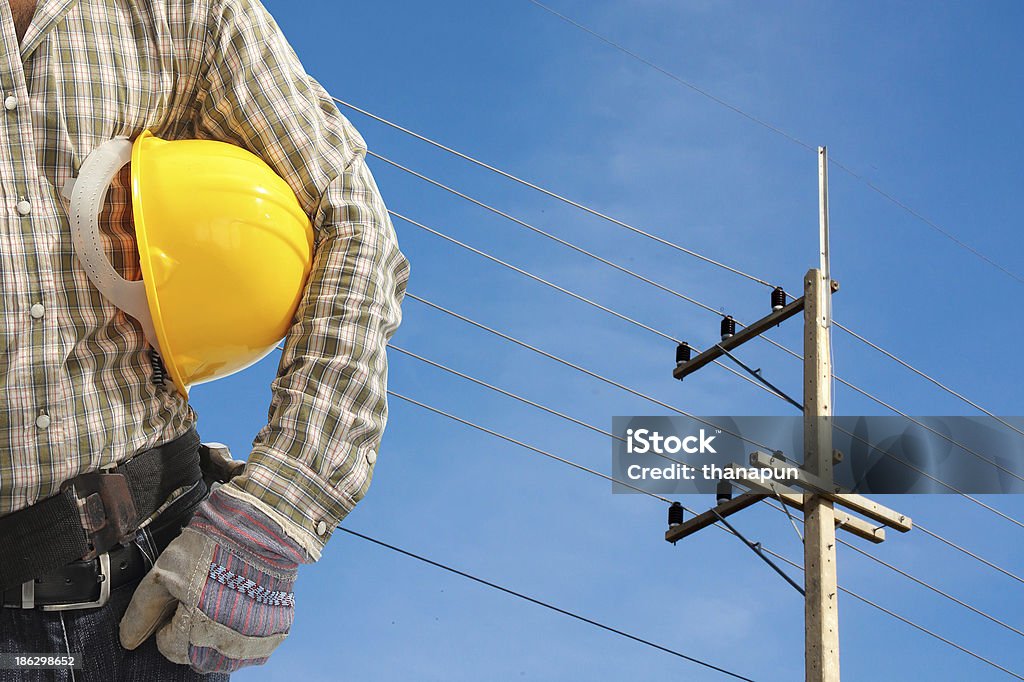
[28,591]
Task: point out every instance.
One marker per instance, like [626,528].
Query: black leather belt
[39,540]
[87,584]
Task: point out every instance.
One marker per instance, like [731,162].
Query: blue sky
[920,99]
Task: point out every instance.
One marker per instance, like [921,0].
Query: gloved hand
[220,596]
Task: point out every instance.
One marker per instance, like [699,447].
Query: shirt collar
[48,13]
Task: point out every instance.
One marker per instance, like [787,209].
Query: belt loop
[28,594]
[144,541]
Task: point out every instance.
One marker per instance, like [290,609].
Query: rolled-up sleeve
[313,460]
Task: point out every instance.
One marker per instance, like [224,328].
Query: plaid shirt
[75,378]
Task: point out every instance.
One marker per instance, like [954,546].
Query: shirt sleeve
[313,461]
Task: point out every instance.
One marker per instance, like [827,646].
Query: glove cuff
[248,533]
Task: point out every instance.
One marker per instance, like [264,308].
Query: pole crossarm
[710,517]
[814,484]
[739,338]
[847,522]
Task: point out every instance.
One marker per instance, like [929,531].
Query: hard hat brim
[145,262]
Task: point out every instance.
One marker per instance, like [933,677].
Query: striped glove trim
[257,593]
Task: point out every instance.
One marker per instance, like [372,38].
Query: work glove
[220,596]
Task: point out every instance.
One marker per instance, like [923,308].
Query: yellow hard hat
[224,246]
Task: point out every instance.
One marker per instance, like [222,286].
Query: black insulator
[682,352]
[723,493]
[778,298]
[728,327]
[675,515]
[159,371]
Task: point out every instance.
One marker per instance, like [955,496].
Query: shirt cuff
[293,495]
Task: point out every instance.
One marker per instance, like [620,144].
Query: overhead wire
[878,401]
[553,195]
[946,541]
[548,235]
[779,131]
[928,377]
[596,429]
[532,448]
[662,499]
[765,549]
[536,278]
[545,604]
[906,620]
[767,339]
[761,281]
[678,410]
[572,294]
[763,382]
[578,368]
[780,507]
[931,587]
[519,398]
[591,211]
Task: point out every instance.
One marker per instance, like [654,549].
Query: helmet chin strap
[87,196]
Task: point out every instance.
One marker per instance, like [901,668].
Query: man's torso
[76,389]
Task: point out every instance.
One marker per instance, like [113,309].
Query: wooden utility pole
[815,476]
[821,603]
[821,607]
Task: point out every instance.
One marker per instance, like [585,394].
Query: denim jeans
[93,633]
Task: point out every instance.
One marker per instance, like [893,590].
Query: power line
[781,508]
[770,389]
[681,81]
[553,195]
[905,620]
[936,535]
[525,401]
[931,379]
[906,416]
[521,444]
[548,235]
[923,583]
[765,549]
[632,391]
[578,368]
[534,277]
[778,345]
[502,391]
[596,213]
[950,440]
[963,550]
[779,131]
[546,605]
[931,587]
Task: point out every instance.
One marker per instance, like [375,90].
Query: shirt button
[371,457]
[321,528]
[11,103]
[37,310]
[24,208]
[43,421]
